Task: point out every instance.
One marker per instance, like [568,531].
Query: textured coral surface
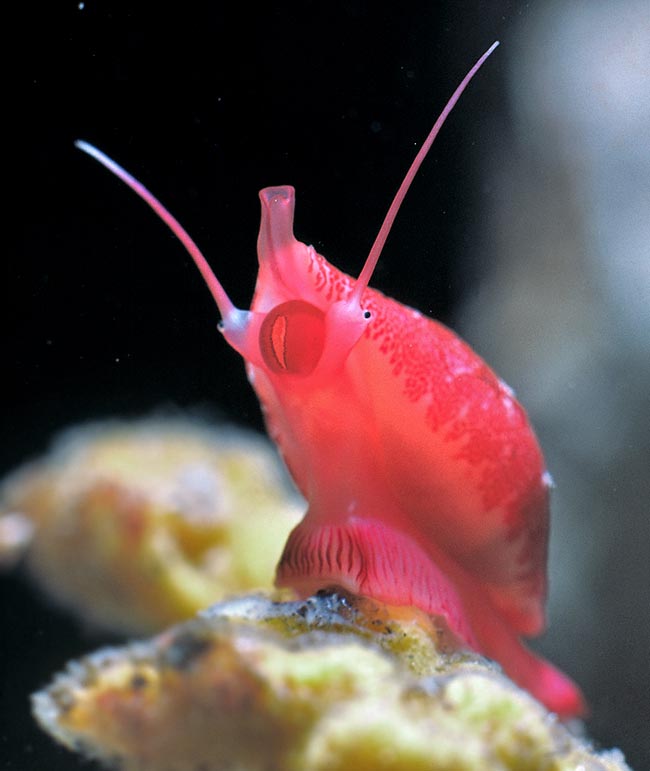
[331,683]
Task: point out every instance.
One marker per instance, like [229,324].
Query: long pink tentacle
[384,230]
[226,307]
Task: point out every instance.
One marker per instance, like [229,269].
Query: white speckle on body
[547,480]
[508,389]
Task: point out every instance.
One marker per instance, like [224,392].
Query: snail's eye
[292,337]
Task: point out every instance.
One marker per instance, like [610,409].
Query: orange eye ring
[292,338]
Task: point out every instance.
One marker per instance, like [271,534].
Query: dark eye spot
[367,315]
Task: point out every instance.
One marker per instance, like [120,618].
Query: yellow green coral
[140,524]
[312,686]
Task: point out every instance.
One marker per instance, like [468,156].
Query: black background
[206,103]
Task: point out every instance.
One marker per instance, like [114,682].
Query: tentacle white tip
[384,230]
[225,305]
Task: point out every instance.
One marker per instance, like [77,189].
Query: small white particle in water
[81,6]
[117,359]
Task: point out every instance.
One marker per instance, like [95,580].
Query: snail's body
[424,480]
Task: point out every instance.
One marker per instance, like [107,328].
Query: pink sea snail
[425,483]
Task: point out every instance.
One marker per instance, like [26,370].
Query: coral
[138,525]
[330,683]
